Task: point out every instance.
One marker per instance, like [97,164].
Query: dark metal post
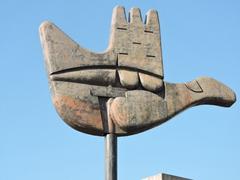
[110,157]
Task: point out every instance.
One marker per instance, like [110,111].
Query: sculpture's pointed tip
[45,24]
[220,93]
[231,98]
[119,7]
[135,15]
[119,15]
[152,21]
[234,98]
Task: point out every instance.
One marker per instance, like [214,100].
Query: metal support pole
[110,157]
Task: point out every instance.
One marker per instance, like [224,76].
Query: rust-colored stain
[78,112]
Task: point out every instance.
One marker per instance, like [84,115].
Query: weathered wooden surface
[127,79]
[164,177]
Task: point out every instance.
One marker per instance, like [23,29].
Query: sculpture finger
[137,46]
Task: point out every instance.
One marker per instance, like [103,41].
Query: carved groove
[106,67]
[148,31]
[137,43]
[150,56]
[124,53]
[121,28]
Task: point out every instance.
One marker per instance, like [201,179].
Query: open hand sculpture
[121,91]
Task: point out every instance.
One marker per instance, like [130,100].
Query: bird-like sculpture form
[122,90]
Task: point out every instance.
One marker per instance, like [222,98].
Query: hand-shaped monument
[121,91]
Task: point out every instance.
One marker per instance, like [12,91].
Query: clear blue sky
[198,38]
